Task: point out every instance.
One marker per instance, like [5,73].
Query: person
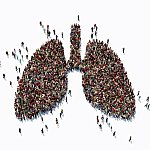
[66,100]
[69,92]
[10,83]
[92,29]
[100,126]
[62,34]
[54,31]
[107,41]
[46,127]
[97,119]
[27,49]
[20,51]
[106,120]
[130,139]
[56,37]
[42,118]
[26,56]
[102,118]
[111,128]
[78,18]
[48,34]
[123,50]
[3,76]
[20,131]
[57,122]
[42,131]
[92,36]
[22,44]
[147,99]
[40,23]
[18,78]
[19,70]
[7,53]
[22,57]
[114,134]
[61,113]
[138,93]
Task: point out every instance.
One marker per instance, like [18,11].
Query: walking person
[78,18]
[54,31]
[114,134]
[4,77]
[100,126]
[130,140]
[46,127]
[57,122]
[22,44]
[147,99]
[123,50]
[20,131]
[138,93]
[66,100]
[97,120]
[69,92]
[62,35]
[27,49]
[10,83]
[7,54]
[42,131]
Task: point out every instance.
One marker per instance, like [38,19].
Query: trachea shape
[75,39]
[105,82]
[44,82]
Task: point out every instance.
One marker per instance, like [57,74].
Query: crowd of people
[105,82]
[75,39]
[44,82]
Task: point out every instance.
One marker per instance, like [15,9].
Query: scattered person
[42,118]
[69,92]
[57,122]
[138,93]
[66,100]
[10,83]
[4,76]
[46,127]
[7,53]
[54,31]
[42,131]
[40,23]
[147,99]
[123,50]
[18,78]
[27,49]
[78,18]
[22,44]
[26,56]
[97,119]
[114,134]
[62,34]
[130,139]
[107,41]
[100,126]
[20,131]
[20,51]
[106,120]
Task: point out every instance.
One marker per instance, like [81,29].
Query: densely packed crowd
[75,39]
[105,82]
[44,82]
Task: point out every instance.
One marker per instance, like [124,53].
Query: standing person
[42,131]
[19,70]
[7,54]
[4,76]
[62,35]
[42,118]
[97,119]
[92,36]
[100,126]
[111,128]
[27,49]
[114,134]
[106,120]
[138,93]
[78,18]
[22,44]
[57,122]
[56,37]
[54,31]
[147,99]
[66,100]
[92,29]
[61,113]
[10,83]
[107,41]
[18,78]
[26,56]
[20,131]
[130,139]
[46,127]
[69,92]
[102,118]
[20,51]
[123,50]
[40,23]
[139,98]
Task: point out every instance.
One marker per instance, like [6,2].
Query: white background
[125,23]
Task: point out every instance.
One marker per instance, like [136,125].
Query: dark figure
[61,113]
[106,120]
[111,128]
[62,35]
[46,127]
[139,98]
[100,126]
[69,92]
[96,33]
[107,41]
[26,56]
[20,131]
[27,49]
[114,134]
[54,31]
[146,105]
[48,34]
[22,56]
[3,76]
[42,131]
[92,29]
[15,50]
[57,122]
[22,44]
[20,61]
[78,18]
[97,119]
[92,36]
[18,78]
[40,23]
[19,70]
[147,99]
[20,51]
[7,53]
[16,68]
[10,83]
[66,100]
[56,37]
[42,118]
[94,25]
[123,50]
[102,118]
[130,139]
[96,28]
[138,93]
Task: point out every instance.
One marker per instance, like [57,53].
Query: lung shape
[44,82]
[105,82]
